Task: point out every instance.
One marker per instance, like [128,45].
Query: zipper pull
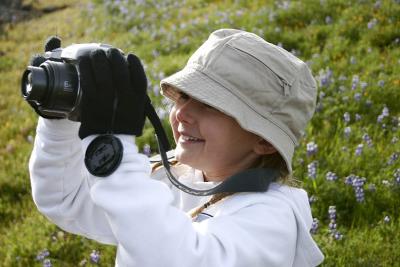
[286,88]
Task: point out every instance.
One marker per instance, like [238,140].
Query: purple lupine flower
[324,77]
[355,80]
[312,169]
[338,235]
[312,199]
[147,150]
[385,111]
[367,139]
[42,255]
[349,179]
[359,192]
[380,118]
[346,117]
[363,85]
[353,61]
[384,114]
[357,97]
[331,176]
[381,83]
[359,149]
[347,131]
[328,19]
[393,158]
[285,5]
[372,23]
[312,148]
[314,226]
[332,212]
[323,81]
[358,184]
[47,263]
[358,117]
[332,226]
[95,256]
[397,176]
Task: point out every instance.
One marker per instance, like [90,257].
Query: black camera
[54,87]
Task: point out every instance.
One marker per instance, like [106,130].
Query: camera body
[54,86]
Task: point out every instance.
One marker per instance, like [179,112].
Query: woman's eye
[183,97]
[208,106]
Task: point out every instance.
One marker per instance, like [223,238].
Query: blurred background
[347,161]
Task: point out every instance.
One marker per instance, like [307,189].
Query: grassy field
[348,160]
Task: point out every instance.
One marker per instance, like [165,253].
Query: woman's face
[208,140]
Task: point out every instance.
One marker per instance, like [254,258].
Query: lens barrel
[53,87]
[34,84]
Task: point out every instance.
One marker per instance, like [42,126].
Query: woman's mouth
[189,139]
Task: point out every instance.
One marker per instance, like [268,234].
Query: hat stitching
[263,63]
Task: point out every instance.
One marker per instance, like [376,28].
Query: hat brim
[203,88]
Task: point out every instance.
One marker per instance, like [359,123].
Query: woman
[239,103]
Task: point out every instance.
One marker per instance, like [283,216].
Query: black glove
[113,93]
[51,43]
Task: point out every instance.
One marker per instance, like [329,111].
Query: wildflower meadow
[348,160]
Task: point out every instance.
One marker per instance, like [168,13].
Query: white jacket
[146,218]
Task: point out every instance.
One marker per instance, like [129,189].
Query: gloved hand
[51,43]
[113,93]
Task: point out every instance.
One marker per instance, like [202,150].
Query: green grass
[332,36]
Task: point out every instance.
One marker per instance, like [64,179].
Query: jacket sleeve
[61,184]
[150,231]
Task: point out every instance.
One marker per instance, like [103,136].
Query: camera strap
[104,153]
[250,180]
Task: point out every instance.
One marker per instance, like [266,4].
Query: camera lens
[53,87]
[28,84]
[34,84]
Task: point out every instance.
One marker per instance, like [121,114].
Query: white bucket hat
[265,88]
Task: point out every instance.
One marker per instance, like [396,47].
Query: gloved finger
[137,74]
[52,43]
[120,71]
[36,60]
[87,82]
[102,73]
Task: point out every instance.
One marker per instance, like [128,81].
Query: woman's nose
[185,112]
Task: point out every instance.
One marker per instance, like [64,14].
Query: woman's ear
[262,147]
